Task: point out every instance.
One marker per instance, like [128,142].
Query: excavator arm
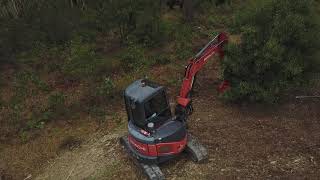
[196,63]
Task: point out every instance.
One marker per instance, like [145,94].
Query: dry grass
[22,159]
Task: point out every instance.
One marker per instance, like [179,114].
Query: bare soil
[244,142]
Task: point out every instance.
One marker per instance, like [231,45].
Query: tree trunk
[188,9]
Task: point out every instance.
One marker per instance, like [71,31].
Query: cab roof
[141,90]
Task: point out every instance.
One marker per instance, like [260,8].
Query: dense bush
[183,35]
[35,21]
[278,41]
[133,58]
[161,59]
[82,61]
[55,22]
[56,105]
[106,88]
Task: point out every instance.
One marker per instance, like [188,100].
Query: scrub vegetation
[64,63]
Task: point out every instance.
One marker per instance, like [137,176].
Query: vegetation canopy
[279,40]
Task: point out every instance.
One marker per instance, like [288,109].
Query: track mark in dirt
[244,142]
[97,158]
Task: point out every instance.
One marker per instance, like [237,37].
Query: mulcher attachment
[197,152]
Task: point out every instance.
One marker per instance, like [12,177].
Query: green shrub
[26,84]
[20,84]
[221,2]
[149,30]
[82,61]
[134,58]
[137,21]
[24,136]
[15,114]
[278,41]
[40,84]
[106,88]
[34,124]
[38,120]
[56,105]
[162,59]
[183,35]
[204,4]
[33,21]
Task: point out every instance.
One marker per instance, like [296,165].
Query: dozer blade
[152,171]
[197,151]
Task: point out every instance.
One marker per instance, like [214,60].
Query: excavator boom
[196,64]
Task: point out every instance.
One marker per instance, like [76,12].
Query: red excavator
[155,134]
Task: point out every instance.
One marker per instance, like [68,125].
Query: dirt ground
[244,142]
[254,142]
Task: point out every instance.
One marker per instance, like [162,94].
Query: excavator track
[152,171]
[196,150]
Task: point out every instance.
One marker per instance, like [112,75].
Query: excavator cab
[146,103]
[155,136]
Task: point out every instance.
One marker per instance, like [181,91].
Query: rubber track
[197,151]
[152,171]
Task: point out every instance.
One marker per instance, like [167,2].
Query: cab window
[157,106]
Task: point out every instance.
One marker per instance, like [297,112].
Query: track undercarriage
[195,150]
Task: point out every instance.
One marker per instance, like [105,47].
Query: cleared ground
[244,142]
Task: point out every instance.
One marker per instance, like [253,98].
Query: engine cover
[163,144]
